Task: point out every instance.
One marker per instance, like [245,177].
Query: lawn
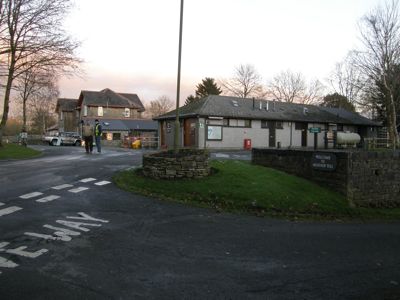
[13,151]
[238,186]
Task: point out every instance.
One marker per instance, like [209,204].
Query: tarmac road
[67,232]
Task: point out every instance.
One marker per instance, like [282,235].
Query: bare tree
[28,84]
[292,87]
[245,83]
[348,81]
[159,106]
[380,34]
[42,105]
[31,35]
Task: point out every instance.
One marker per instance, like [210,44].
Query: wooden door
[189,134]
[304,130]
[272,133]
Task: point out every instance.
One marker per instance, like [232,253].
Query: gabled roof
[233,107]
[66,104]
[110,98]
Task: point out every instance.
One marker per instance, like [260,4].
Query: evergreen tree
[206,87]
[338,101]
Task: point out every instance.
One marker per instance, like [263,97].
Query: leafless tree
[31,36]
[159,106]
[348,81]
[42,105]
[380,34]
[245,83]
[30,83]
[292,87]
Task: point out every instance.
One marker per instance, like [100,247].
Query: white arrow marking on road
[78,190]
[48,199]
[31,195]
[87,179]
[9,210]
[102,182]
[63,186]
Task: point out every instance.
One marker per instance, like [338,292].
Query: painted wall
[233,137]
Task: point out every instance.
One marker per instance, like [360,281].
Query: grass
[13,151]
[238,186]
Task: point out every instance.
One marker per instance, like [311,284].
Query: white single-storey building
[237,123]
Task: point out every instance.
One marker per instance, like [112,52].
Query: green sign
[314,129]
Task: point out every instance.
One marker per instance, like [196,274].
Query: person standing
[87,131]
[97,134]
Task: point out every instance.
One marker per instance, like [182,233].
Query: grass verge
[13,151]
[238,186]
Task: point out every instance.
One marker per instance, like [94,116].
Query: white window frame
[100,111]
[85,110]
[127,113]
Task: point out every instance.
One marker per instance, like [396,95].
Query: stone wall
[187,163]
[374,179]
[367,179]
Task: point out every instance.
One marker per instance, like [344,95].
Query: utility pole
[178,84]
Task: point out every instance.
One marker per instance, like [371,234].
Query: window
[279,125]
[127,113]
[116,136]
[264,124]
[62,115]
[100,111]
[239,123]
[214,133]
[215,121]
[85,110]
[233,122]
[299,126]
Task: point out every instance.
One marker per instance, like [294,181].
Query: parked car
[64,138]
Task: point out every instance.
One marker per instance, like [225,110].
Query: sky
[131,46]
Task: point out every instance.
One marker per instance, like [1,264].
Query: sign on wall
[214,132]
[323,161]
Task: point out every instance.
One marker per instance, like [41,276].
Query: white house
[230,122]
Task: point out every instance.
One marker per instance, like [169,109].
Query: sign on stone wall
[323,161]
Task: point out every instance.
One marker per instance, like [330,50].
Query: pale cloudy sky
[132,45]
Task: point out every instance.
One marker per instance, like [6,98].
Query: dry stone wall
[186,164]
[367,179]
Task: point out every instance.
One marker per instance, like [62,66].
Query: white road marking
[31,195]
[9,210]
[74,157]
[21,252]
[1,203]
[87,179]
[86,217]
[5,263]
[104,182]
[78,190]
[61,234]
[47,199]
[77,225]
[63,186]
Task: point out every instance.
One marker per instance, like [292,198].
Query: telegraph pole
[178,85]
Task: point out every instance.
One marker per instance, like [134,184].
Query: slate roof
[66,104]
[126,125]
[233,107]
[110,98]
